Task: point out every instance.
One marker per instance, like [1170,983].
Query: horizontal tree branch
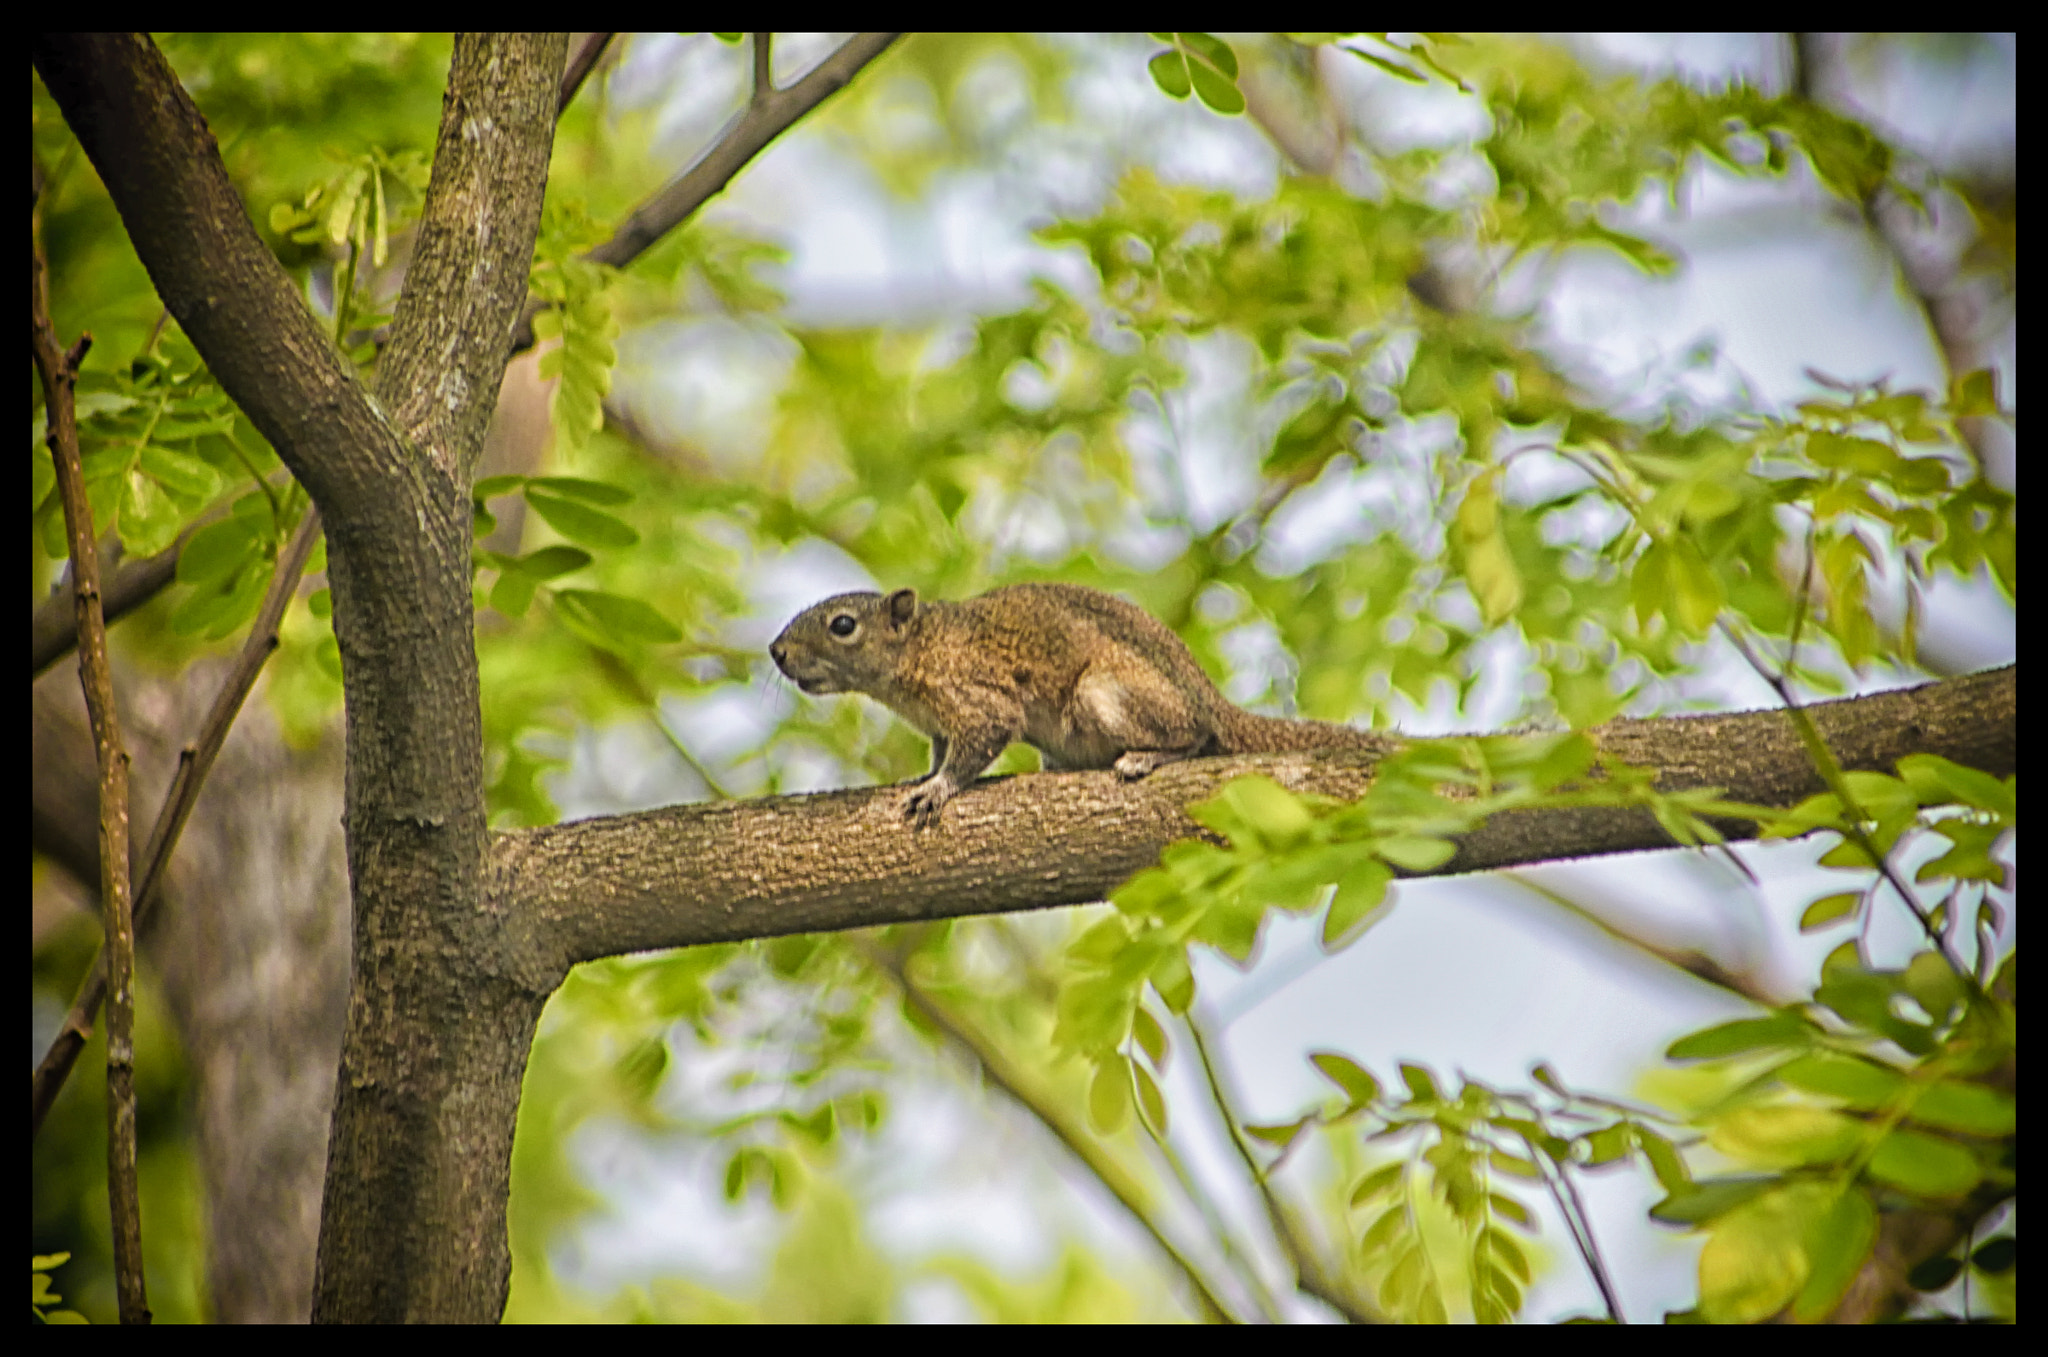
[797,864]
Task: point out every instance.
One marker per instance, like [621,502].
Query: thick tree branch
[189,227]
[418,1172]
[798,864]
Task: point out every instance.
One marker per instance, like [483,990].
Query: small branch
[1692,961]
[1830,769]
[1241,1264]
[59,372]
[768,115]
[194,763]
[1310,1276]
[1934,283]
[581,63]
[53,629]
[764,68]
[999,1071]
[1564,1194]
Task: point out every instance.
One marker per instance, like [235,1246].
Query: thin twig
[997,1068]
[194,761]
[1239,1261]
[1573,1210]
[1310,1274]
[1854,817]
[768,115]
[58,369]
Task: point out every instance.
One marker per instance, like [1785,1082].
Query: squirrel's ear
[899,606]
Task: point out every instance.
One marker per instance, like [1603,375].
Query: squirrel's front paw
[922,803]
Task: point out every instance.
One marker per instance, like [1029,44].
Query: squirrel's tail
[1247,733]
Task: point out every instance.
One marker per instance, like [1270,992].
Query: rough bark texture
[692,874]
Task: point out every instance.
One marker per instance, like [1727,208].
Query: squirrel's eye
[842,625]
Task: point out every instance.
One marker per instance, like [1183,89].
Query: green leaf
[1860,1084]
[627,621]
[1170,72]
[149,518]
[1415,853]
[1783,1029]
[1109,1095]
[1359,896]
[1151,1104]
[1278,816]
[1996,1255]
[490,487]
[1150,1036]
[1379,1180]
[1939,781]
[182,474]
[1507,1208]
[1925,1164]
[513,594]
[1386,1227]
[218,550]
[1971,1109]
[1837,1239]
[1829,908]
[1356,1082]
[1213,50]
[1174,980]
[572,487]
[1421,1084]
[1755,1259]
[1664,1159]
[1788,1135]
[580,523]
[1702,1202]
[1974,393]
[1202,63]
[1218,91]
[1934,1274]
[1281,1134]
[551,562]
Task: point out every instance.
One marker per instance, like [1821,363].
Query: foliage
[1507,503]
[41,1297]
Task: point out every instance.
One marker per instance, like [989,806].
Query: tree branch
[797,864]
[195,761]
[158,159]
[998,1069]
[58,370]
[770,112]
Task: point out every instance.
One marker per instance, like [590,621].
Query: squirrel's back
[1091,680]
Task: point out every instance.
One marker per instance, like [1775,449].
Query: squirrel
[1090,680]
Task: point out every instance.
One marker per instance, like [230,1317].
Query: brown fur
[1090,680]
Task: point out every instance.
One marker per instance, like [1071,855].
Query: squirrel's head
[844,642]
